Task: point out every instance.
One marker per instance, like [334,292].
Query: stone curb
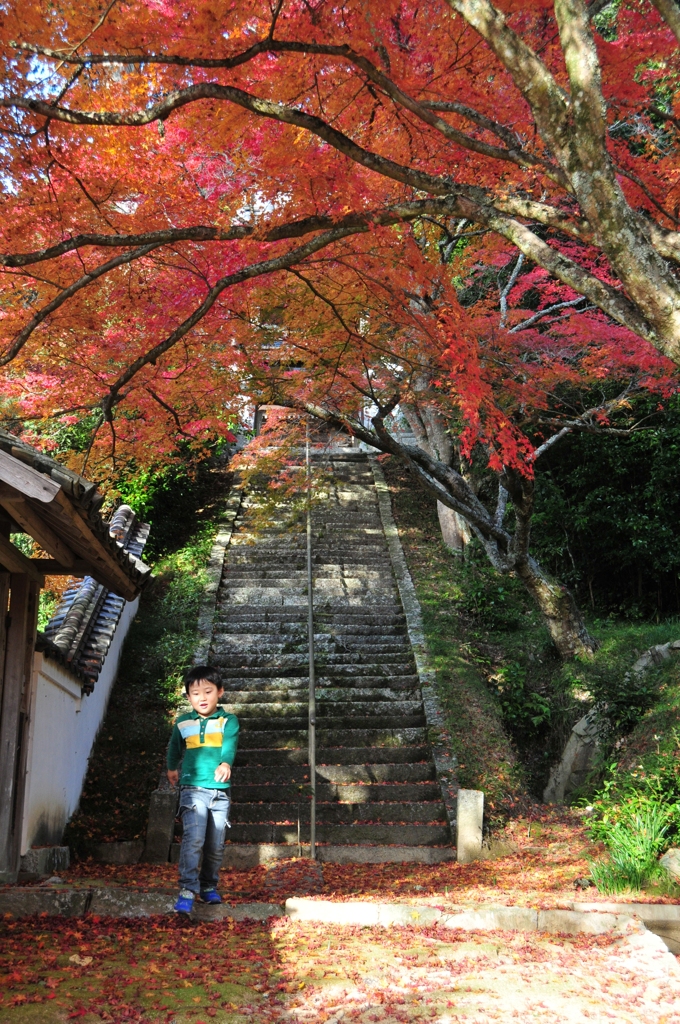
[445,762]
[598,919]
[206,614]
[661,918]
[517,919]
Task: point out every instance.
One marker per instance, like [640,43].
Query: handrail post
[312,680]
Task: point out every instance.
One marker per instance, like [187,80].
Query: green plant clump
[634,833]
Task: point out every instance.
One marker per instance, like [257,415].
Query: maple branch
[548,101]
[255,270]
[508,288]
[655,316]
[424,111]
[530,321]
[205,233]
[469,113]
[168,409]
[67,293]
[643,188]
[607,298]
[585,422]
[160,111]
[447,485]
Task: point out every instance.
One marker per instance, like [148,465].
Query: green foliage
[23,542]
[129,752]
[171,497]
[607,514]
[47,606]
[523,709]
[485,755]
[635,833]
[621,697]
[498,669]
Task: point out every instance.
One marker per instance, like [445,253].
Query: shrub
[635,833]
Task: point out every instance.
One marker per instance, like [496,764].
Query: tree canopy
[187,187]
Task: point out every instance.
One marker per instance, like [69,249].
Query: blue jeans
[205,817]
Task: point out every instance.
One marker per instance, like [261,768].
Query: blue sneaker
[210,896]
[185,902]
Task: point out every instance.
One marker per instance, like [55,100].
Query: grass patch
[510,702]
[129,752]
[485,754]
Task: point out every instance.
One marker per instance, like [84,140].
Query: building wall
[62,729]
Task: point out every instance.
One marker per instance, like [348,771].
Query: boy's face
[203,696]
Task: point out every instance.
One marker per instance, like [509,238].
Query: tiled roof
[81,631]
[84,495]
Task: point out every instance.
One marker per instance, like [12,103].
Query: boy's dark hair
[211,675]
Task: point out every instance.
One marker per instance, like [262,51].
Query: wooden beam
[105,568]
[26,479]
[15,561]
[29,519]
[51,567]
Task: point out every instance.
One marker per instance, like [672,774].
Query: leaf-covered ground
[552,855]
[154,970]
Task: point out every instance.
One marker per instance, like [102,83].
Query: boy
[207,737]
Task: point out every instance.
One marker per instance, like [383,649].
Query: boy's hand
[223,772]
[173,778]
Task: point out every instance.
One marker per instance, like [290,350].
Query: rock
[575,763]
[652,658]
[671,862]
[497,848]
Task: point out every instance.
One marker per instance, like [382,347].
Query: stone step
[277,574]
[363,757]
[364,623]
[288,792]
[323,681]
[295,727]
[289,738]
[336,774]
[340,673]
[257,646]
[370,835]
[338,662]
[300,696]
[413,813]
[276,689]
[376,782]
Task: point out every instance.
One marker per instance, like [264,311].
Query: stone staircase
[378,796]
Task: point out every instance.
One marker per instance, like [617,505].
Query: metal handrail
[312,678]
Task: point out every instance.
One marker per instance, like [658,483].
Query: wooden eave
[61,511]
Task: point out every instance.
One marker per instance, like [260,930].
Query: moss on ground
[129,752]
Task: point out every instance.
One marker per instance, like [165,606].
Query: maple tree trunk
[562,616]
[430,430]
[456,533]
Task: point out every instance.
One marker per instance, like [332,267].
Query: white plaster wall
[61,731]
